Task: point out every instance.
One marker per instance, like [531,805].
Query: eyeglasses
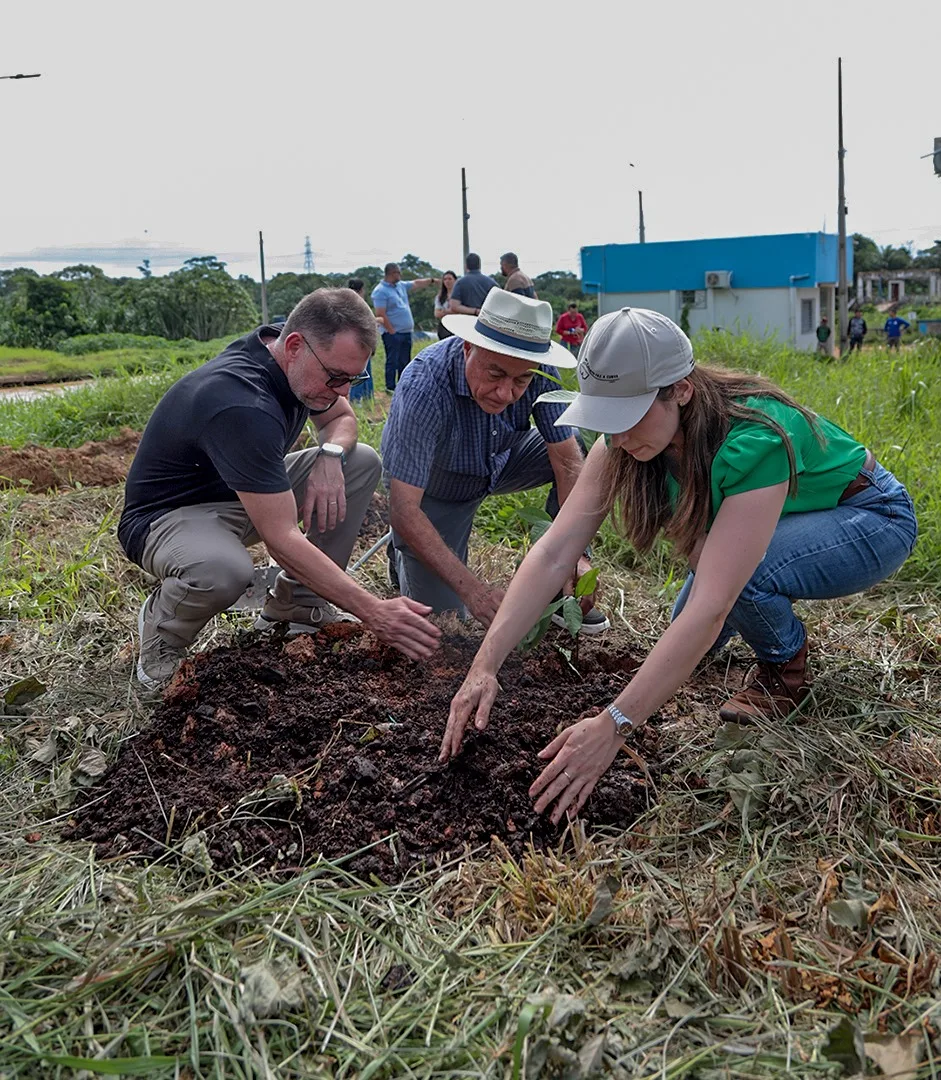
[336,379]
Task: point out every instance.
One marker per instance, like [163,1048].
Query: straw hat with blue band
[512,325]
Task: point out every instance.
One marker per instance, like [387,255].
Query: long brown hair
[640,501]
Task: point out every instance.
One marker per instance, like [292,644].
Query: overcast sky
[184,127]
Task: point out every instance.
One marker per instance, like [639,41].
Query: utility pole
[640,211]
[264,287]
[308,256]
[465,217]
[841,214]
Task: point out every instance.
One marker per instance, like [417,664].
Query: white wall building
[764,286]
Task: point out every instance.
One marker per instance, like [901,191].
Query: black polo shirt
[224,427]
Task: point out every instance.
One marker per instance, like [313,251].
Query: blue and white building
[760,285]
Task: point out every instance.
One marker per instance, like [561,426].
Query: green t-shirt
[823,332]
[753,456]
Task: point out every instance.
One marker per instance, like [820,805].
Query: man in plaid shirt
[459,430]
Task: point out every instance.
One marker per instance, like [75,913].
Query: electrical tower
[308,256]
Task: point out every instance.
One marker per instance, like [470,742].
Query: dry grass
[781,878]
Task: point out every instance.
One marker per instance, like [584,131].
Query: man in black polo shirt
[213,475]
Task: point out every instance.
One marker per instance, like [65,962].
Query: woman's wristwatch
[623,725]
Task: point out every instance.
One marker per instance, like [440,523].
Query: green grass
[723,953]
[35,366]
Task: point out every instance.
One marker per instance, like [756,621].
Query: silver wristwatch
[624,725]
[332,449]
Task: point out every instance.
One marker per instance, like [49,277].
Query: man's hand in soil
[581,755]
[483,602]
[325,497]
[477,695]
[586,602]
[402,623]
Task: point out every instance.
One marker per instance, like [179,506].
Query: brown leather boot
[770,691]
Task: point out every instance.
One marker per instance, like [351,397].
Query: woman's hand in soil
[325,496]
[581,755]
[477,695]
[483,602]
[402,623]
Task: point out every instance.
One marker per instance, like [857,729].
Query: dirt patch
[275,753]
[45,468]
[376,522]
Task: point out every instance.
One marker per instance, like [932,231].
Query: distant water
[31,393]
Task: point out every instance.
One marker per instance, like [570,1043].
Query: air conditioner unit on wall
[718,279]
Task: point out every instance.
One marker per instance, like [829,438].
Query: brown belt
[854,487]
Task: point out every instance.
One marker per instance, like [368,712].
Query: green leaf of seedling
[535,635]
[538,529]
[586,584]
[572,614]
[532,514]
[556,397]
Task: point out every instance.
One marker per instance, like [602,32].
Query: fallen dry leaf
[896,1055]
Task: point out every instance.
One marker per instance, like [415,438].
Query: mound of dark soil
[45,468]
[355,729]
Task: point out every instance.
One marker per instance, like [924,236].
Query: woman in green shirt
[768,502]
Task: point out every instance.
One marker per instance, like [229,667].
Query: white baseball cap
[626,358]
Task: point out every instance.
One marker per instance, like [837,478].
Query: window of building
[694,298]
[807,316]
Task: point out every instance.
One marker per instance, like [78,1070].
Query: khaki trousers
[198,552]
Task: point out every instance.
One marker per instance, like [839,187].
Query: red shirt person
[571,327]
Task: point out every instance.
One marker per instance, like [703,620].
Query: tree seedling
[569,606]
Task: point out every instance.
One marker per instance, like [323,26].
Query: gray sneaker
[595,622]
[158,659]
[281,612]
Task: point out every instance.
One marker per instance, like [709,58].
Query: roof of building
[756,262]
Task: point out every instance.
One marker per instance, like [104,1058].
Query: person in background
[390,299]
[893,328]
[516,280]
[571,327]
[471,290]
[768,502]
[857,330]
[823,336]
[364,390]
[448,278]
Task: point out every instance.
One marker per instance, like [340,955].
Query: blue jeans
[819,555]
[364,390]
[398,348]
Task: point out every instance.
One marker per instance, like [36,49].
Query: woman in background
[362,391]
[441,301]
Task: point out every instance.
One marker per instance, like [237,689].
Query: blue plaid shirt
[439,439]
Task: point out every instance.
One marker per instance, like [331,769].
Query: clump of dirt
[45,468]
[274,753]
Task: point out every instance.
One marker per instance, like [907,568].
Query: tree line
[867,255]
[201,300]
